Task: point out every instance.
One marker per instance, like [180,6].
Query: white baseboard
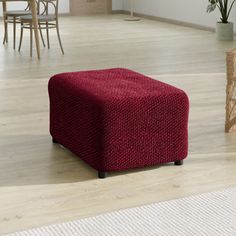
[166,20]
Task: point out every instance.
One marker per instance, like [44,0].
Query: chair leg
[21,36]
[31,40]
[41,34]
[5,39]
[47,30]
[14,33]
[59,38]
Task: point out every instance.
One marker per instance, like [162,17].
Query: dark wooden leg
[59,37]
[102,175]
[5,39]
[179,163]
[4,8]
[54,140]
[41,34]
[14,33]
[21,36]
[31,40]
[47,31]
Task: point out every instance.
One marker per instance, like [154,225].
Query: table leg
[33,7]
[4,7]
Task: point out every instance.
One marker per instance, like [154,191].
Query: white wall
[191,11]
[64,6]
[117,5]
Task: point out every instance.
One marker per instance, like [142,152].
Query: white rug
[211,214]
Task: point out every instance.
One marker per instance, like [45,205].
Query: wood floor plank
[42,183]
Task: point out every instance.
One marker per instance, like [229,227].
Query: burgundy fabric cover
[117,119]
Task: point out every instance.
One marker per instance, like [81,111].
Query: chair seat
[41,18]
[17,13]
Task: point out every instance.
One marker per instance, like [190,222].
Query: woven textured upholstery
[117,119]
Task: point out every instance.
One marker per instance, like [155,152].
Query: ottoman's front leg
[54,140]
[179,163]
[102,174]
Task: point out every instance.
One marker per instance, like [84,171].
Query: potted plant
[224,28]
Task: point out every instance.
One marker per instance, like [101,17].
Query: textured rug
[211,214]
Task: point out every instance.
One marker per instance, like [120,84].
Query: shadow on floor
[35,160]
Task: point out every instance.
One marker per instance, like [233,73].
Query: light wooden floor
[41,183]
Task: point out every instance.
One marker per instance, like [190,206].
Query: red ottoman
[117,119]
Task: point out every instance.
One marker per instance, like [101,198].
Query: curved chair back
[46,7]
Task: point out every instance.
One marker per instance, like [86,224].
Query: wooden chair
[46,20]
[13,17]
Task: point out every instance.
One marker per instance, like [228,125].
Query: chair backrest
[46,7]
[13,0]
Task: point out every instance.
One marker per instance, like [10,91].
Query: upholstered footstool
[118,119]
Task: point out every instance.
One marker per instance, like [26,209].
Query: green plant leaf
[224,6]
[211,7]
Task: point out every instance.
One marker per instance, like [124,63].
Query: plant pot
[225,31]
